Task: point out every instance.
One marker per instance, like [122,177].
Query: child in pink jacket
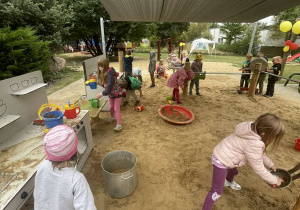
[160,69]
[247,144]
[177,80]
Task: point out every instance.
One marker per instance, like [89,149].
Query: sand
[174,169]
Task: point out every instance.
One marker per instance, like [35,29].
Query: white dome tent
[201,44]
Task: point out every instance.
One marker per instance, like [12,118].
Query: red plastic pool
[176,114]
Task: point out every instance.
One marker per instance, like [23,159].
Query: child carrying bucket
[247,144]
[177,80]
[58,185]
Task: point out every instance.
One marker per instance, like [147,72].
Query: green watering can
[94,102]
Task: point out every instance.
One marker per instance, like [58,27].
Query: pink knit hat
[60,143]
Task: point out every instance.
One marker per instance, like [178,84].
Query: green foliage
[21,52]
[50,18]
[196,31]
[291,15]
[170,30]
[232,31]
[240,46]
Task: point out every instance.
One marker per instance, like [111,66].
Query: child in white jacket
[58,185]
[247,144]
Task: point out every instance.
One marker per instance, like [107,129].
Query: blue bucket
[53,118]
[93,85]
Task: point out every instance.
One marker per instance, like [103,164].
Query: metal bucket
[119,173]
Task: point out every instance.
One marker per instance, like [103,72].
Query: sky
[267,20]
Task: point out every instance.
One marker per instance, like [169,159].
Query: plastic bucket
[94,103]
[53,118]
[93,85]
[119,173]
[297,144]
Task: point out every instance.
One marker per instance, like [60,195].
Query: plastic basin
[176,114]
[53,118]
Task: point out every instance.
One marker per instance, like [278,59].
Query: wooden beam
[186,83]
[254,79]
[121,62]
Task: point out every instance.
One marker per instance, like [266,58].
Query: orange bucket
[297,144]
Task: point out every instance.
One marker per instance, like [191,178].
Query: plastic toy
[176,114]
[171,102]
[138,109]
[92,82]
[169,97]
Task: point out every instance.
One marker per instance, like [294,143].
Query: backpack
[135,83]
[117,90]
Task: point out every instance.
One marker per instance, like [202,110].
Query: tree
[291,15]
[232,31]
[196,30]
[21,52]
[241,45]
[86,26]
[50,18]
[170,30]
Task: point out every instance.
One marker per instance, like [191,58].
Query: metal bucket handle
[296,168]
[130,176]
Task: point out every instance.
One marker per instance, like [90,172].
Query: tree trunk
[98,50]
[89,46]
[289,36]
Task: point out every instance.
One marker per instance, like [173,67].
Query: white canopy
[200,43]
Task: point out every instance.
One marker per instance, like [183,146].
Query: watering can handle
[93,77]
[45,106]
[77,108]
[131,175]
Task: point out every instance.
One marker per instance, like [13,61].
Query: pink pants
[176,94]
[114,107]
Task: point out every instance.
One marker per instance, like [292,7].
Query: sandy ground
[174,169]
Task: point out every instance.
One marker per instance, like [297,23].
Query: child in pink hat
[58,185]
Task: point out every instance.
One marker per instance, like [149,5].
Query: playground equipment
[293,57]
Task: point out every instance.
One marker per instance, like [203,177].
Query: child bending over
[137,72]
[247,144]
[58,185]
[131,84]
[177,80]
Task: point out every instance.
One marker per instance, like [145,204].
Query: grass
[67,77]
[235,60]
[71,73]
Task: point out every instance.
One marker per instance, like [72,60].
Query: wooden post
[121,62]
[254,79]
[158,51]
[186,83]
[297,205]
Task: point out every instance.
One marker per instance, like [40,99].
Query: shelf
[8,119]
[29,89]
